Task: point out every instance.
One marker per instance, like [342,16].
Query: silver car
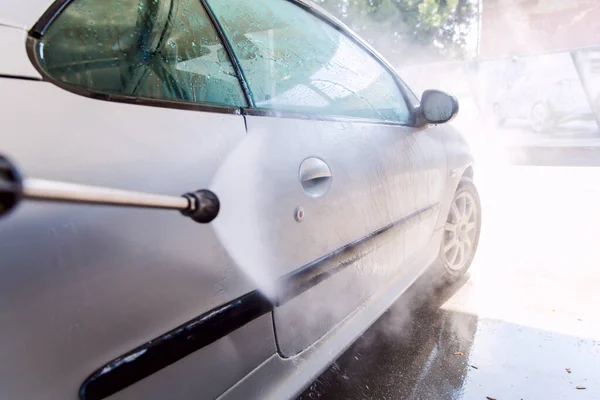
[209,198]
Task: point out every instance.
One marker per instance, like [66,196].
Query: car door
[335,191]
[96,298]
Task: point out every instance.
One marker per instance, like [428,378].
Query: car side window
[294,61]
[155,49]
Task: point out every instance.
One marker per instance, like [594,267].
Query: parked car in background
[337,188]
[545,99]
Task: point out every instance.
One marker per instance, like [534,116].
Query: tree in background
[412,31]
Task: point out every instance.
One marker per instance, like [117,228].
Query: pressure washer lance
[201,206]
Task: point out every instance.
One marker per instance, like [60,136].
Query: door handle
[315,176]
[313,169]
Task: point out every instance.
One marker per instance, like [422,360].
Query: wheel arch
[468,173]
[454,178]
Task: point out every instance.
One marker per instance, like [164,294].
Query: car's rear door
[335,192]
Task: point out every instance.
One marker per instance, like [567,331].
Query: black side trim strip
[25,78]
[221,321]
[304,278]
[173,346]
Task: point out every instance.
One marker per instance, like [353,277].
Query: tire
[456,227]
[540,118]
[498,117]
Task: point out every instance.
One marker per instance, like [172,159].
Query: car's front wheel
[461,231]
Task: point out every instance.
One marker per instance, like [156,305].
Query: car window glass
[159,49]
[294,61]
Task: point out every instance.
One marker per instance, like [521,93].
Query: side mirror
[438,107]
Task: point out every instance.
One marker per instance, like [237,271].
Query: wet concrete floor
[523,325]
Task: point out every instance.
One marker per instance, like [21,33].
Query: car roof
[22,13]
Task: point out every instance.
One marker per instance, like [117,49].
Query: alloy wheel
[460,231]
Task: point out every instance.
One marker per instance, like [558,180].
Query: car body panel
[84,284]
[14,58]
[22,14]
[379,175]
[460,164]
